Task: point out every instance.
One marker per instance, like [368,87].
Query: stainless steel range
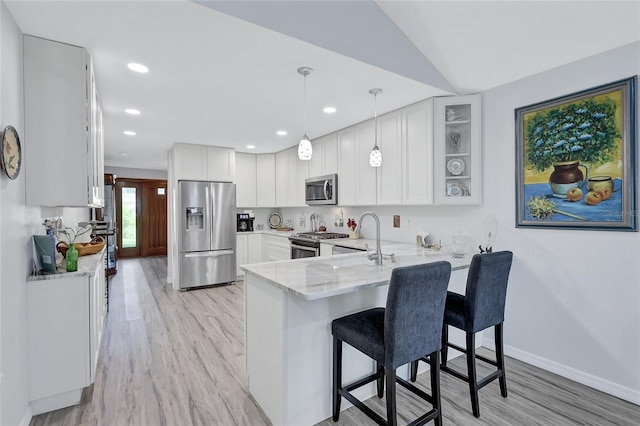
[307,244]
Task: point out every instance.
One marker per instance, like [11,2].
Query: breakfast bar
[289,307]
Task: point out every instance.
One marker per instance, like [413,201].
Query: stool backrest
[486,291]
[414,312]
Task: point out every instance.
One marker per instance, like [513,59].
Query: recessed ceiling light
[251,146]
[329,110]
[124,154]
[137,67]
[129,133]
[132,111]
[281,132]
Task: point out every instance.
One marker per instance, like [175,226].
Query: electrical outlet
[396,221]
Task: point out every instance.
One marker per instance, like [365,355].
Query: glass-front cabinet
[458,150]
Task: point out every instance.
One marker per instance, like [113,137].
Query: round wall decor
[11,157]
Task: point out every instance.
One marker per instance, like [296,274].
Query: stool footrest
[366,410]
[355,385]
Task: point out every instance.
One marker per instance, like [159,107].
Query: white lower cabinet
[241,253]
[254,248]
[276,248]
[65,318]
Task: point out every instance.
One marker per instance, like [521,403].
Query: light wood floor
[177,358]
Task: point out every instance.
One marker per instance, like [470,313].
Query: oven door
[301,250]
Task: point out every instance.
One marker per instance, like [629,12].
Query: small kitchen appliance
[245,222]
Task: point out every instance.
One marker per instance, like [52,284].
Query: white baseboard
[571,373]
[26,419]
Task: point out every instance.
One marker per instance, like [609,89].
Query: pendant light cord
[375,118]
[305,104]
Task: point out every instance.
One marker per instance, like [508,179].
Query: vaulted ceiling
[223,73]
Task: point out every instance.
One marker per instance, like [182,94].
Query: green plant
[73,233]
[584,131]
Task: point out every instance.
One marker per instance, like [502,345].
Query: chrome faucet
[377,256]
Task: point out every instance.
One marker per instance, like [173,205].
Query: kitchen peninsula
[289,306]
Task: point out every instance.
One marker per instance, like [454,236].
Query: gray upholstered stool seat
[408,327]
[481,307]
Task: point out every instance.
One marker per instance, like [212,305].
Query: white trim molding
[26,418]
[606,386]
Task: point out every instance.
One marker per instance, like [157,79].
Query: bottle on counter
[72,259]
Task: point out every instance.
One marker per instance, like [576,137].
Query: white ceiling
[219,80]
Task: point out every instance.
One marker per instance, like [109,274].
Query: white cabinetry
[276,248]
[254,248]
[458,156]
[417,153]
[290,175]
[65,318]
[241,253]
[325,156]
[389,174]
[266,180]
[245,180]
[63,133]
[356,178]
[203,162]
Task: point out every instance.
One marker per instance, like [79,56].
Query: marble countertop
[320,277]
[87,266]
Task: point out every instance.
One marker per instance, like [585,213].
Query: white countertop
[320,277]
[86,267]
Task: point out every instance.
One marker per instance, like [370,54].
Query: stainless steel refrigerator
[207,233]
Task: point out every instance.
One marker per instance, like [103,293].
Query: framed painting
[575,160]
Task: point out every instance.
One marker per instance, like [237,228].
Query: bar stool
[481,307]
[409,327]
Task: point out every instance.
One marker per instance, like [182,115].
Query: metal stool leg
[471,369]
[337,377]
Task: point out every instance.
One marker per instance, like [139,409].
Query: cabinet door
[301,176]
[96,314]
[241,253]
[190,162]
[281,178]
[245,180]
[254,248]
[417,153]
[57,117]
[347,176]
[266,180]
[316,165]
[365,174]
[458,144]
[220,164]
[329,154]
[58,336]
[389,174]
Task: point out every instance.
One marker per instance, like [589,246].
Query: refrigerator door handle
[210,253]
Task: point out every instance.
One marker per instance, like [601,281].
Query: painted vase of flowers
[352,225]
[569,137]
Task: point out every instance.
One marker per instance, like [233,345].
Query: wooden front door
[154,218]
[142,217]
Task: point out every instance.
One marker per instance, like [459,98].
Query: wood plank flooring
[177,358]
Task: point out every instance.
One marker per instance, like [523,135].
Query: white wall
[17,223]
[574,297]
[573,303]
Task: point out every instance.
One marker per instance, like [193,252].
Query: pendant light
[305,150]
[375,158]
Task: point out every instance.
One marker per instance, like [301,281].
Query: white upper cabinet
[63,126]
[281,178]
[389,174]
[458,150]
[356,178]
[417,153]
[290,175]
[203,162]
[266,180]
[325,156]
[245,180]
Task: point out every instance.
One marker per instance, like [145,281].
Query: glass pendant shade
[305,150]
[375,157]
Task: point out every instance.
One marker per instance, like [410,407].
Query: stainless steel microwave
[321,190]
